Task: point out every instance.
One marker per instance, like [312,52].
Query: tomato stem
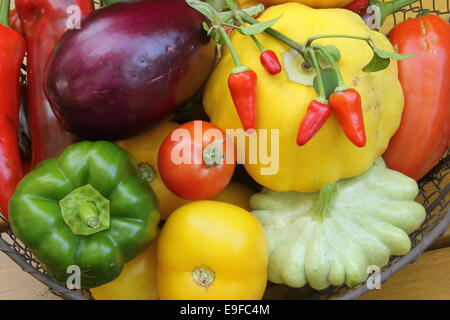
[212,155]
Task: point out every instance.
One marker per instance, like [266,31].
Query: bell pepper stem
[388,8]
[322,205]
[322,93]
[4,12]
[88,214]
[203,277]
[85,211]
[147,172]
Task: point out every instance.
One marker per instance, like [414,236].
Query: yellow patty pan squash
[332,238]
[282,104]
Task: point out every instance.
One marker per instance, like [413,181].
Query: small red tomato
[193,161]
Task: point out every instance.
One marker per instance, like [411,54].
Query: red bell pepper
[12,52]
[424,132]
[44,22]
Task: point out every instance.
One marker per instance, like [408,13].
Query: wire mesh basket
[434,195]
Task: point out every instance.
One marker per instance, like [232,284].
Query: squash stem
[322,205]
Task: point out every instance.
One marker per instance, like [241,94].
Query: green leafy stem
[227,14]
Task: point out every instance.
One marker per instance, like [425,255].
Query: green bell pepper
[87,208]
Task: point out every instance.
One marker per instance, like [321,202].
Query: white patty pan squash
[332,237]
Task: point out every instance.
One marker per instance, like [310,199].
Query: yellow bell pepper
[212,250]
[282,104]
[237,194]
[136,282]
[312,3]
[144,149]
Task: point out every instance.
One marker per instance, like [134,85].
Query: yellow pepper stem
[204,277]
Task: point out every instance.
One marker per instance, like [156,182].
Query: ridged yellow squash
[282,104]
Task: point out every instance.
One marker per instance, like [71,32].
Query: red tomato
[193,161]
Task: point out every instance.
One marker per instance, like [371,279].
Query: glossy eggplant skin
[128,66]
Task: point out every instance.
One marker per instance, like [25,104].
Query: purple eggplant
[130,65]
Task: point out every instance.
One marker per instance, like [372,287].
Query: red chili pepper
[385,8]
[12,51]
[347,107]
[242,87]
[270,62]
[44,22]
[358,6]
[15,23]
[422,138]
[316,116]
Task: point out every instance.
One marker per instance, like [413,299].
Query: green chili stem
[104,3]
[230,46]
[233,6]
[322,92]
[341,83]
[278,35]
[388,8]
[311,39]
[4,12]
[258,44]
